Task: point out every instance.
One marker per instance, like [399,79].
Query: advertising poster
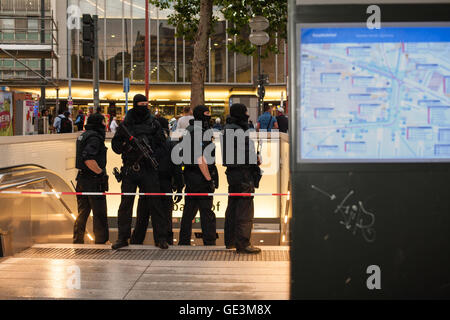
[29,113]
[6,114]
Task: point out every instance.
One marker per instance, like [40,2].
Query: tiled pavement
[187,273]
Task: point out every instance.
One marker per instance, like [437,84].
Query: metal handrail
[23,166]
[36,180]
[34,168]
[22,183]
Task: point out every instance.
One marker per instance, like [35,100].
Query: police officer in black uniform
[200,175]
[170,177]
[138,172]
[91,162]
[243,176]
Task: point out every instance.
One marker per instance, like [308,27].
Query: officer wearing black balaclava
[241,160]
[136,172]
[170,176]
[91,162]
[200,176]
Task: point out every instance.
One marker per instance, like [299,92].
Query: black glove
[106,183]
[211,186]
[103,180]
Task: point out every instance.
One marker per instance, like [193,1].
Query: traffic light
[88,37]
[262,81]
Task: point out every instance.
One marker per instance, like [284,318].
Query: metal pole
[69,66]
[259,82]
[146,50]
[96,70]
[42,100]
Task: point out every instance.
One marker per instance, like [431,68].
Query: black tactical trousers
[240,210]
[147,182]
[196,183]
[166,204]
[87,203]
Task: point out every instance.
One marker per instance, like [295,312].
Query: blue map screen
[375,94]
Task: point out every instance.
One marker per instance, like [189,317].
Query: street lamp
[259,37]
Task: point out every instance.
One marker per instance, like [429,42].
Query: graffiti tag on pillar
[354,216]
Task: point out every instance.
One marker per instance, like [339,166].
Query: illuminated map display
[375,94]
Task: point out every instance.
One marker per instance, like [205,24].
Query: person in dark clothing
[200,175]
[243,176]
[139,172]
[282,120]
[170,177]
[91,162]
[79,121]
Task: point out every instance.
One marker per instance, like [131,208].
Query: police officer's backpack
[65,126]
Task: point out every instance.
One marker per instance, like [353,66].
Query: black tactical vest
[82,142]
[205,144]
[248,149]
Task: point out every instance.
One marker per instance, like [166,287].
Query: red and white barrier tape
[142,194]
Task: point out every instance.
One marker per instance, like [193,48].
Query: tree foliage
[185,19]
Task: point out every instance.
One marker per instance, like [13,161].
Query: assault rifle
[141,145]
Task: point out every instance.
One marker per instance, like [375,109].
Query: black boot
[163,244]
[119,244]
[249,250]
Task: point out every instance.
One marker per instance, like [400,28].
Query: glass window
[74,52]
[179,66]
[33,5]
[101,38]
[34,63]
[189,55]
[21,28]
[47,5]
[114,38]
[7,29]
[138,40]
[33,28]
[281,62]
[218,52]
[268,64]
[88,6]
[8,63]
[166,52]
[7,6]
[153,49]
[243,62]
[20,6]
[231,68]
[127,38]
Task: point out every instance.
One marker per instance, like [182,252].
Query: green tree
[194,20]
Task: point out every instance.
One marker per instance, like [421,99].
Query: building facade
[230,76]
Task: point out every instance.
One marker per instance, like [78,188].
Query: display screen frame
[298,132]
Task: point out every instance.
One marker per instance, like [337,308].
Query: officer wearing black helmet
[200,175]
[91,162]
[243,174]
[170,176]
[139,128]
